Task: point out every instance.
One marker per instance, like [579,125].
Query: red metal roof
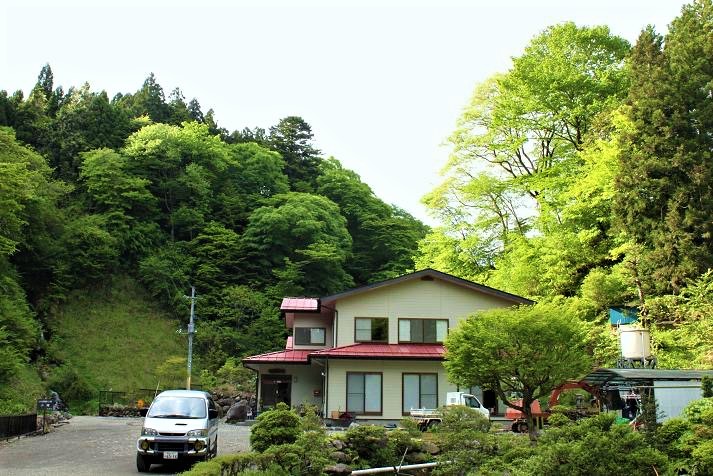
[383,351]
[300,304]
[287,356]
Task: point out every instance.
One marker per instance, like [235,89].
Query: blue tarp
[623,315]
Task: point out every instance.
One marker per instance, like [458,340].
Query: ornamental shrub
[371,445]
[459,418]
[592,447]
[557,420]
[278,426]
[694,410]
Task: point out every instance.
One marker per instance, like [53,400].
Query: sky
[382,83]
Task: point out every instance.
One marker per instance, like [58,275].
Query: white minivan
[179,424]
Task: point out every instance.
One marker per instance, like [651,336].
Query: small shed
[673,389]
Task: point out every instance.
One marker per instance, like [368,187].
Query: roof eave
[433,273]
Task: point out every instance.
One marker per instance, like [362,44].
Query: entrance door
[275,389]
[490,401]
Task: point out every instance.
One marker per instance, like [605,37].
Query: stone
[226,402]
[340,457]
[418,458]
[338,468]
[430,447]
[338,444]
[237,412]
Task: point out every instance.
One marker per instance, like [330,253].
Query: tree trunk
[531,428]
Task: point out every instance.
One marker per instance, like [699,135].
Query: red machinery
[520,422]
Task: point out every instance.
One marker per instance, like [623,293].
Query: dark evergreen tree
[178,109]
[45,81]
[194,111]
[664,193]
[292,138]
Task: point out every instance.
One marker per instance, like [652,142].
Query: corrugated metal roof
[286,356]
[601,376]
[299,304]
[383,351]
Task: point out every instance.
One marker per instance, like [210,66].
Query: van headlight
[148,432]
[197,433]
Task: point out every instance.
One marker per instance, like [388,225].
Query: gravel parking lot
[96,446]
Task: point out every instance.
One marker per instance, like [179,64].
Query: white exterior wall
[314,320]
[416,298]
[392,371]
[673,396]
[306,379]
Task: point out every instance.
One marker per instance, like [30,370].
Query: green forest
[582,176]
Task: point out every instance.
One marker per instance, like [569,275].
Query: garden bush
[557,420]
[275,427]
[694,410]
[464,439]
[592,447]
[458,418]
[370,445]
[237,464]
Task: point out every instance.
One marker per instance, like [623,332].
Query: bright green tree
[301,230]
[525,351]
[182,165]
[517,150]
[383,237]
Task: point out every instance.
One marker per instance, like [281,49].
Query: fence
[110,397]
[13,425]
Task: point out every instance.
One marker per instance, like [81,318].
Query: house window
[419,391]
[371,329]
[364,393]
[310,335]
[423,330]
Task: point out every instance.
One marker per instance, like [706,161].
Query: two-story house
[374,351]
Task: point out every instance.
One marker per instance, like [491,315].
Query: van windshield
[177,407]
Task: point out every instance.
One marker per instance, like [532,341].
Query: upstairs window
[310,335]
[423,331]
[371,329]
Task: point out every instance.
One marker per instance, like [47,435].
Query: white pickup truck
[427,417]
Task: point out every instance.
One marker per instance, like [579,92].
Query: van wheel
[143,463]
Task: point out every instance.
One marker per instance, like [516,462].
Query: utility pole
[191,331]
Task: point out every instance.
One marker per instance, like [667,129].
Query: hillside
[115,338]
[144,187]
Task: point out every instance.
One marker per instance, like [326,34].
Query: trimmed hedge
[236,464]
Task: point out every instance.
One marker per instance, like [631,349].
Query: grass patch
[114,337]
[20,394]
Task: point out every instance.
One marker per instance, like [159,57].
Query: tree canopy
[525,351]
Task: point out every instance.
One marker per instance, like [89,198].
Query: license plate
[170,455]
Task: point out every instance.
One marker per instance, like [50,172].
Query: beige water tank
[635,342]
